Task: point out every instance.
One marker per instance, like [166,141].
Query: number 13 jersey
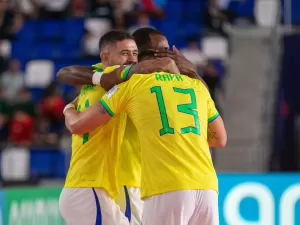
[171,113]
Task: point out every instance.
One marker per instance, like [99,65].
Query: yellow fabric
[171,114]
[104,158]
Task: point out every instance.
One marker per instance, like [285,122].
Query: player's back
[171,114]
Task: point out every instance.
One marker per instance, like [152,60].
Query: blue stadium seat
[69,50]
[155,23]
[51,29]
[190,29]
[74,29]
[63,62]
[194,12]
[67,89]
[28,33]
[244,9]
[170,30]
[86,62]
[173,10]
[47,50]
[21,50]
[295,12]
[219,66]
[36,94]
[47,163]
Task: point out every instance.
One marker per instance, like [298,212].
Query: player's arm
[121,74]
[83,122]
[98,114]
[216,133]
[165,64]
[76,75]
[184,65]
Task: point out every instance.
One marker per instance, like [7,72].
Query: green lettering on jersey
[158,77]
[178,77]
[168,77]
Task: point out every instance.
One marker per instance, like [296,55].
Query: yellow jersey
[97,159]
[171,113]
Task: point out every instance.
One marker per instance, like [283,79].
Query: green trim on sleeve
[109,111]
[213,118]
[125,72]
[98,67]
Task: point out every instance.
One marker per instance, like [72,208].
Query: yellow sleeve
[98,67]
[109,69]
[114,101]
[212,111]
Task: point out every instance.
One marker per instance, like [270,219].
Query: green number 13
[190,109]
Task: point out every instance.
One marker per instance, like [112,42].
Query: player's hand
[184,65]
[74,102]
[164,64]
[109,79]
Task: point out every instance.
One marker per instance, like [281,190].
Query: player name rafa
[168,77]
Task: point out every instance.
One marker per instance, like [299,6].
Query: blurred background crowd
[247,51]
[230,41]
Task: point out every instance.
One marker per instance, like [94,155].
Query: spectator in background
[22,123]
[12,81]
[53,9]
[102,9]
[78,8]
[119,15]
[154,8]
[28,8]
[10,21]
[211,78]
[21,128]
[43,135]
[5,114]
[193,53]
[142,21]
[50,120]
[129,11]
[3,61]
[216,19]
[52,105]
[204,66]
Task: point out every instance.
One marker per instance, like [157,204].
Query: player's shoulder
[90,91]
[198,85]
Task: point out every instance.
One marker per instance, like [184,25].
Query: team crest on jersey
[111,92]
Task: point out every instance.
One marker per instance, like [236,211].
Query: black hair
[146,54]
[142,37]
[112,37]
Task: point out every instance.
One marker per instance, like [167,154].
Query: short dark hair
[112,37]
[146,54]
[142,37]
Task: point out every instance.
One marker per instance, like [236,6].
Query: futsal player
[80,75]
[98,168]
[177,122]
[146,39]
